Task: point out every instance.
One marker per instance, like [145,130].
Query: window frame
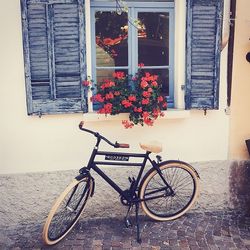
[134,9]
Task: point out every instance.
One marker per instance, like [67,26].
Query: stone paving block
[210,225]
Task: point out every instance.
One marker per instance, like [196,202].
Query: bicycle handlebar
[97,135]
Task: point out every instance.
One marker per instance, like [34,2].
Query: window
[55,62]
[121,46]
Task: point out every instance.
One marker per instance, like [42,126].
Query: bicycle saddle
[153,146]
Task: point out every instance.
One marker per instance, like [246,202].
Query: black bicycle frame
[121,159]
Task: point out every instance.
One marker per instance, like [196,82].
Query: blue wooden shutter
[54,53]
[204,24]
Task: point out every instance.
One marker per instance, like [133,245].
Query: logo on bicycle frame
[116,158]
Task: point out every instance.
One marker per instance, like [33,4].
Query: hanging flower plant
[140,96]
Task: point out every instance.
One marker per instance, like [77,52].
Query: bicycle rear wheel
[157,200]
[67,210]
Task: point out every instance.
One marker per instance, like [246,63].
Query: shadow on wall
[239,185]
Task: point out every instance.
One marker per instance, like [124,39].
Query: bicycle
[165,192]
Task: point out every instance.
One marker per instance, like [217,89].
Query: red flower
[160,99]
[149,121]
[154,84]
[132,98]
[86,83]
[107,84]
[139,110]
[150,90]
[107,109]
[145,101]
[126,103]
[145,114]
[146,94]
[97,98]
[156,113]
[103,86]
[140,65]
[144,84]
[117,93]
[111,84]
[119,75]
[155,77]
[127,124]
[109,96]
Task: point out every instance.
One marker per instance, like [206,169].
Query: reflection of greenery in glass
[110,24]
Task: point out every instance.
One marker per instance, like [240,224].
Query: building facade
[49,47]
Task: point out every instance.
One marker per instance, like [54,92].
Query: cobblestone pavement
[25,200]
[206,230]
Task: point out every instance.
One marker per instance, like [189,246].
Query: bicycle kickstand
[137,223]
[127,220]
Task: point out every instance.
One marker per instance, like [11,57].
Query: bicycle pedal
[128,223]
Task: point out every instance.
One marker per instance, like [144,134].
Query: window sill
[169,114]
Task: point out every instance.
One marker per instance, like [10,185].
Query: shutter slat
[67,56]
[38,49]
[40,91]
[203,40]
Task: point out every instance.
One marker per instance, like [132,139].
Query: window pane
[153,38]
[107,74]
[111,39]
[163,79]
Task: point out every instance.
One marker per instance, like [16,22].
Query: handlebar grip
[100,137]
[122,145]
[81,124]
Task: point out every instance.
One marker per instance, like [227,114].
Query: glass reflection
[153,38]
[111,39]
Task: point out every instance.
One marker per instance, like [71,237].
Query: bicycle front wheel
[158,201]
[67,210]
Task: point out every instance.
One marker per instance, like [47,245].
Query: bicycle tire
[160,205]
[67,209]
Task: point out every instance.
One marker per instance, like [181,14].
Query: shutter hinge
[40,114]
[227,110]
[205,111]
[183,87]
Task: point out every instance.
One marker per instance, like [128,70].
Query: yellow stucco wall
[54,142]
[240,106]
